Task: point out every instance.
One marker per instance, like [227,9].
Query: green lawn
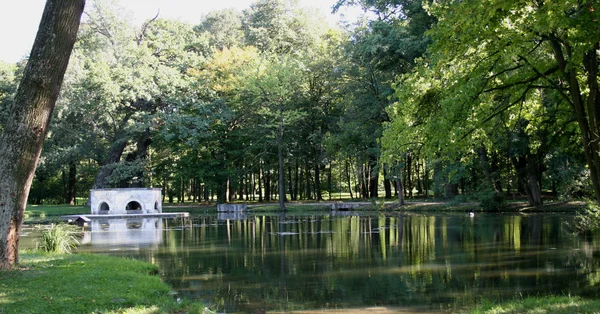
[82,283]
[549,304]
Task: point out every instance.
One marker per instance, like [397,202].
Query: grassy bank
[51,213]
[81,283]
[549,304]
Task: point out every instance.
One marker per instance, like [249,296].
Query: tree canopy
[477,100]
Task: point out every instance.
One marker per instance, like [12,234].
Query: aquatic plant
[60,238]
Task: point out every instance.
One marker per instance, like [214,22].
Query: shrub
[60,238]
[588,219]
[491,201]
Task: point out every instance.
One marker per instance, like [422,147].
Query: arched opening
[133,206]
[156,205]
[103,208]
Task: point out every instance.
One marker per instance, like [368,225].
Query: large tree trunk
[114,156]
[20,147]
[586,112]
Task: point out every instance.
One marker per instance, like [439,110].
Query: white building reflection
[232,216]
[139,232]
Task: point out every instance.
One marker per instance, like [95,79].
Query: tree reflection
[308,262]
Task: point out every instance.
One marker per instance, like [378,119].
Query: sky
[19,19]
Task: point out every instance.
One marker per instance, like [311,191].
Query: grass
[82,283]
[45,214]
[60,238]
[548,304]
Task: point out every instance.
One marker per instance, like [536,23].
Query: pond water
[393,262]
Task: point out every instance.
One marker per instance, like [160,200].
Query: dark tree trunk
[302,190]
[386,183]
[267,178]
[586,112]
[296,183]
[348,178]
[30,116]
[260,175]
[318,181]
[400,187]
[364,182]
[281,180]
[290,183]
[114,156]
[409,181]
[373,178]
[72,184]
[485,166]
[329,181]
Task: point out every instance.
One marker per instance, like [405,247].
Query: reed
[60,238]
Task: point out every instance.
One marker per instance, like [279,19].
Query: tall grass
[60,238]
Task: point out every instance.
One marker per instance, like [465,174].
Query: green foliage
[491,201]
[588,219]
[60,238]
[80,283]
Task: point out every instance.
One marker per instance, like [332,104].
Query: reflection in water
[285,263]
[120,233]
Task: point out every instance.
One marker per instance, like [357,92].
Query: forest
[418,99]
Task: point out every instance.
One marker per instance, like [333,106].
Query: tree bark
[35,99]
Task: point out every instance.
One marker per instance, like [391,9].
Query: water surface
[380,263]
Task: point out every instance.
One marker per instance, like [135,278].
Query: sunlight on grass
[548,304]
[80,283]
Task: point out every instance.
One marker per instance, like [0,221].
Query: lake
[377,262]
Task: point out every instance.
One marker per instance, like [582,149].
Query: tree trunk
[72,184]
[318,181]
[386,183]
[588,115]
[348,178]
[114,156]
[296,183]
[373,178]
[365,181]
[30,116]
[485,166]
[330,181]
[290,182]
[400,187]
[409,181]
[260,177]
[281,183]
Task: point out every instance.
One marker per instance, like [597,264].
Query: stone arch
[103,208]
[134,206]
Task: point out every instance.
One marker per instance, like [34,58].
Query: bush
[588,219]
[60,238]
[491,201]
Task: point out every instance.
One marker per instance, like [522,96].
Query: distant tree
[30,114]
